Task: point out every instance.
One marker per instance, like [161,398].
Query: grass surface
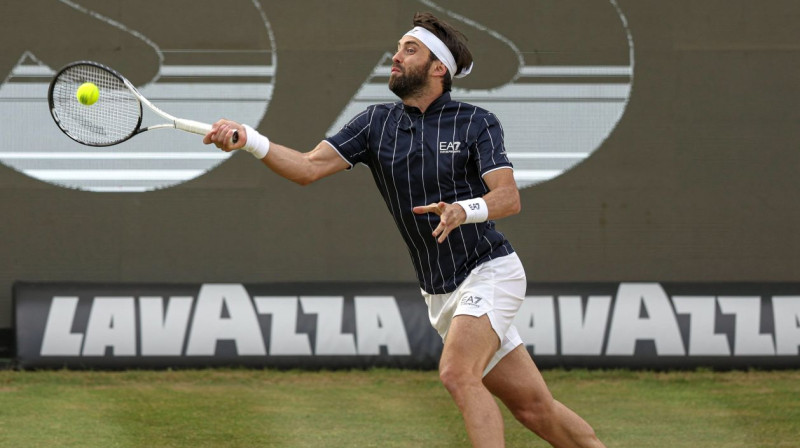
[381,408]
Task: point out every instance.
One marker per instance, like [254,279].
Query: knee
[457,380]
[538,416]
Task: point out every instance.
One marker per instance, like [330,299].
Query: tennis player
[442,170]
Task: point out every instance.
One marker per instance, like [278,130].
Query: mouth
[396,69]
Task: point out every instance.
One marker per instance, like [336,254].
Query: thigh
[517,382]
[470,344]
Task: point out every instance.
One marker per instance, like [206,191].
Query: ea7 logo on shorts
[471,300]
[449,147]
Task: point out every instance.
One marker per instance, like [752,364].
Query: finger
[442,230]
[228,138]
[447,223]
[222,130]
[446,231]
[431,208]
[421,210]
[438,230]
[223,137]
[210,136]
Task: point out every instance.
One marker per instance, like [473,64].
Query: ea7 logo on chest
[449,147]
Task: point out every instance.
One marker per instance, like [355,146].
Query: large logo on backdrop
[569,80]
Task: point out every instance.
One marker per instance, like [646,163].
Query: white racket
[115,116]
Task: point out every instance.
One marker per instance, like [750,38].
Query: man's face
[410,67]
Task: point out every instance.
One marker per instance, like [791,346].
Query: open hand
[450,217]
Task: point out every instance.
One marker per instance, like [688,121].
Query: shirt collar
[437,104]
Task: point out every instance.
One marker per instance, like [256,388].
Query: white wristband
[476,209]
[257,144]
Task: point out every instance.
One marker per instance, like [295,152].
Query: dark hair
[455,40]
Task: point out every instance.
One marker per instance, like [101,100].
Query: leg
[470,344]
[518,383]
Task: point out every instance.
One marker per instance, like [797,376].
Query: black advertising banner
[663,325]
[276,325]
[343,325]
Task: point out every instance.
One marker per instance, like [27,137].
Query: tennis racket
[116,116]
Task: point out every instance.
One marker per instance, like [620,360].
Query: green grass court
[381,408]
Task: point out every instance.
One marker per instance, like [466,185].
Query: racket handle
[197,127]
[192,126]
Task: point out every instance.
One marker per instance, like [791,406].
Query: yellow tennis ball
[88,93]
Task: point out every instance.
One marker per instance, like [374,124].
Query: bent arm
[299,167]
[502,200]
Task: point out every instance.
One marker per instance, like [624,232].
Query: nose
[396,58]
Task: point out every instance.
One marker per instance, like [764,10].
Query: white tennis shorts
[495,288]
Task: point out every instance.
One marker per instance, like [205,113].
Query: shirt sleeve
[352,141]
[491,146]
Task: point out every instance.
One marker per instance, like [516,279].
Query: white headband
[439,49]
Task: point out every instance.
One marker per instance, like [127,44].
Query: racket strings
[113,118]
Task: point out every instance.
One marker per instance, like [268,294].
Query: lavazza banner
[344,325]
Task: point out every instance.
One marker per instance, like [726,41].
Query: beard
[409,83]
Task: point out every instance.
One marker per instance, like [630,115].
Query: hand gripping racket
[116,115]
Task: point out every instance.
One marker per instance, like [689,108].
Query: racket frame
[182,124]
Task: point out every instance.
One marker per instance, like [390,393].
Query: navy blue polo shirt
[422,158]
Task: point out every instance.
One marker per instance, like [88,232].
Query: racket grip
[192,126]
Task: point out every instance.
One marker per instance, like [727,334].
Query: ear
[438,68]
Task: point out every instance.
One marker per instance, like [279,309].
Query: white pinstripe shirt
[418,159]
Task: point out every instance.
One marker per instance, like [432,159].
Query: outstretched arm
[300,167]
[502,200]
